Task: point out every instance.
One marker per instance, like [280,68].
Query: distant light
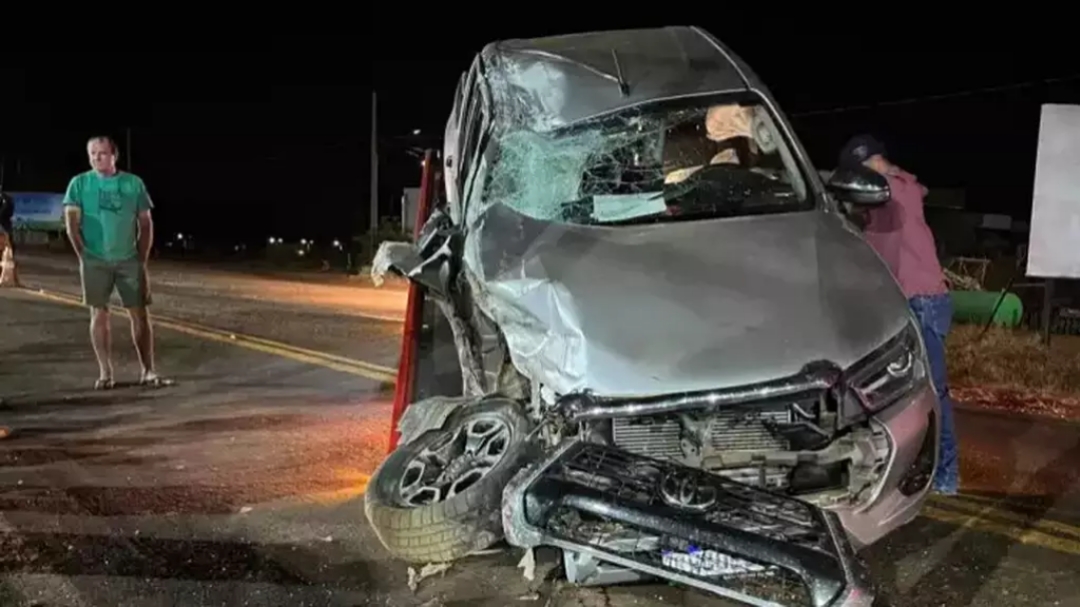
[337,243]
[271,240]
[179,236]
[300,252]
[416,131]
[303,241]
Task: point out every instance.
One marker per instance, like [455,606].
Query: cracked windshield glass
[668,162]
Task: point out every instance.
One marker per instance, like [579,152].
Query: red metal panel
[410,336]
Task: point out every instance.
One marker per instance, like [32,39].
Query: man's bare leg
[101,338]
[9,277]
[142,333]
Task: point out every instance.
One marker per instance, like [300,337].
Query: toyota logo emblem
[683,490]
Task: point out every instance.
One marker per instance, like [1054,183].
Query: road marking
[358,483]
[992,509]
[1017,527]
[329,498]
[997,501]
[1029,537]
[313,357]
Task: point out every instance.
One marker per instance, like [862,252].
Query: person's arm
[146,235]
[146,223]
[73,216]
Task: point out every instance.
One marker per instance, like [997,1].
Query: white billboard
[1055,209]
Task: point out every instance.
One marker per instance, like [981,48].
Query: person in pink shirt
[898,232]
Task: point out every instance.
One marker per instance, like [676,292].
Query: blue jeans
[935,317]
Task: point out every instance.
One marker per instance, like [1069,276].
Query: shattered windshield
[702,159]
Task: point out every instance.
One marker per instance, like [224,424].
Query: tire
[464,523]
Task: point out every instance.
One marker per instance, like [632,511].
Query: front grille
[688,526]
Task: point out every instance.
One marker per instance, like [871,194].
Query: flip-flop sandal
[156,382]
[104,384]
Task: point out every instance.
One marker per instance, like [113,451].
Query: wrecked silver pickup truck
[677,356]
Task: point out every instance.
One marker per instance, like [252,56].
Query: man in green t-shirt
[107,213]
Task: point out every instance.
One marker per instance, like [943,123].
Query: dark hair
[859,149]
[107,139]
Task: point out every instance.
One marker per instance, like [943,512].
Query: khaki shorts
[128,278]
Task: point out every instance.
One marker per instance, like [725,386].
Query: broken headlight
[886,375]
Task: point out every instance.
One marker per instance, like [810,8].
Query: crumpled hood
[681,306]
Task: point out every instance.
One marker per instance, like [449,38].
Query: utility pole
[374,171]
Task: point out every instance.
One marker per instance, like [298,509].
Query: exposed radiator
[739,429]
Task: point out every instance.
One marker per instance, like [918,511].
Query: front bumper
[913,433]
[685,525]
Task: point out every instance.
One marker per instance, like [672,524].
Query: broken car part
[437,497]
[661,519]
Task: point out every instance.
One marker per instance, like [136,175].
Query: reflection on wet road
[243,485]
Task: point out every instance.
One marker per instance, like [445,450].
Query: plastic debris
[528,565]
[415,577]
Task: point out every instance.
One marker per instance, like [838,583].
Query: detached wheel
[439,497]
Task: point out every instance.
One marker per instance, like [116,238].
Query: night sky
[242,146]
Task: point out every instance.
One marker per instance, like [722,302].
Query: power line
[926,98]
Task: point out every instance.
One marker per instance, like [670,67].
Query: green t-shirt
[110,207]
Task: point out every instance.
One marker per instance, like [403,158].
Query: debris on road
[528,565]
[425,572]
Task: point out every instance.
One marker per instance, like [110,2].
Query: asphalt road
[322,312]
[243,483]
